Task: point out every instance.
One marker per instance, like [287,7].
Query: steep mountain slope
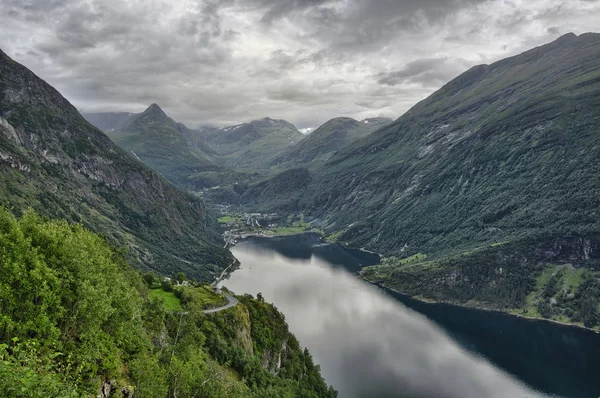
[252,145]
[325,141]
[267,195]
[168,147]
[502,151]
[494,177]
[53,160]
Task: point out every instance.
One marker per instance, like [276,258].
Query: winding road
[232,302]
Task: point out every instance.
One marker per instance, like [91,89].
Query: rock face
[53,160]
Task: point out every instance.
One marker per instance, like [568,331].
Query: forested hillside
[77,321]
[53,160]
[503,151]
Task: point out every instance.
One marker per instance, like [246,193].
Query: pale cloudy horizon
[227,62]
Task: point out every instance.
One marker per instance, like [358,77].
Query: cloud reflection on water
[368,344]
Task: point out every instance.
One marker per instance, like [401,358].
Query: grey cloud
[281,8]
[229,61]
[426,71]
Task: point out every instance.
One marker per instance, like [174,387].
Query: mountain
[503,150]
[166,146]
[54,161]
[252,145]
[483,185]
[325,141]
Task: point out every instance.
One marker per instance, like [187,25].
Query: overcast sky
[224,62]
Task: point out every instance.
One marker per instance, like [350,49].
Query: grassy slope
[170,301]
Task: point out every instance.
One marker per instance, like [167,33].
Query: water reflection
[368,344]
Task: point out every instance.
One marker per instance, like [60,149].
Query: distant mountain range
[54,161]
[252,145]
[222,157]
[167,146]
[325,141]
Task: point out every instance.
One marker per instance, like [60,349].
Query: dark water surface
[372,343]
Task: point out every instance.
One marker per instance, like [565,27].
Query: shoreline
[477,307]
[263,235]
[420,298]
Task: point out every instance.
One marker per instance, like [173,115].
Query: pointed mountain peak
[154,109]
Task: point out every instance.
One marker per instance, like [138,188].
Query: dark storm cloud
[229,61]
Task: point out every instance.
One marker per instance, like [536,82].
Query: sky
[224,62]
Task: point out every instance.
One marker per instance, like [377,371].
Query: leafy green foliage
[76,318]
[24,374]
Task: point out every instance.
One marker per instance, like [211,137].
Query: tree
[150,278]
[166,285]
[179,277]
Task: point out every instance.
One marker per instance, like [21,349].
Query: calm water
[370,343]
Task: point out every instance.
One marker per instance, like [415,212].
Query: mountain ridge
[170,148]
[317,147]
[252,145]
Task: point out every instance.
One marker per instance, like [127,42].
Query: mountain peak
[154,109]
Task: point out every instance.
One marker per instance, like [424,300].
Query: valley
[483,176]
[122,232]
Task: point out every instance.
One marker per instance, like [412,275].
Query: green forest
[78,321]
